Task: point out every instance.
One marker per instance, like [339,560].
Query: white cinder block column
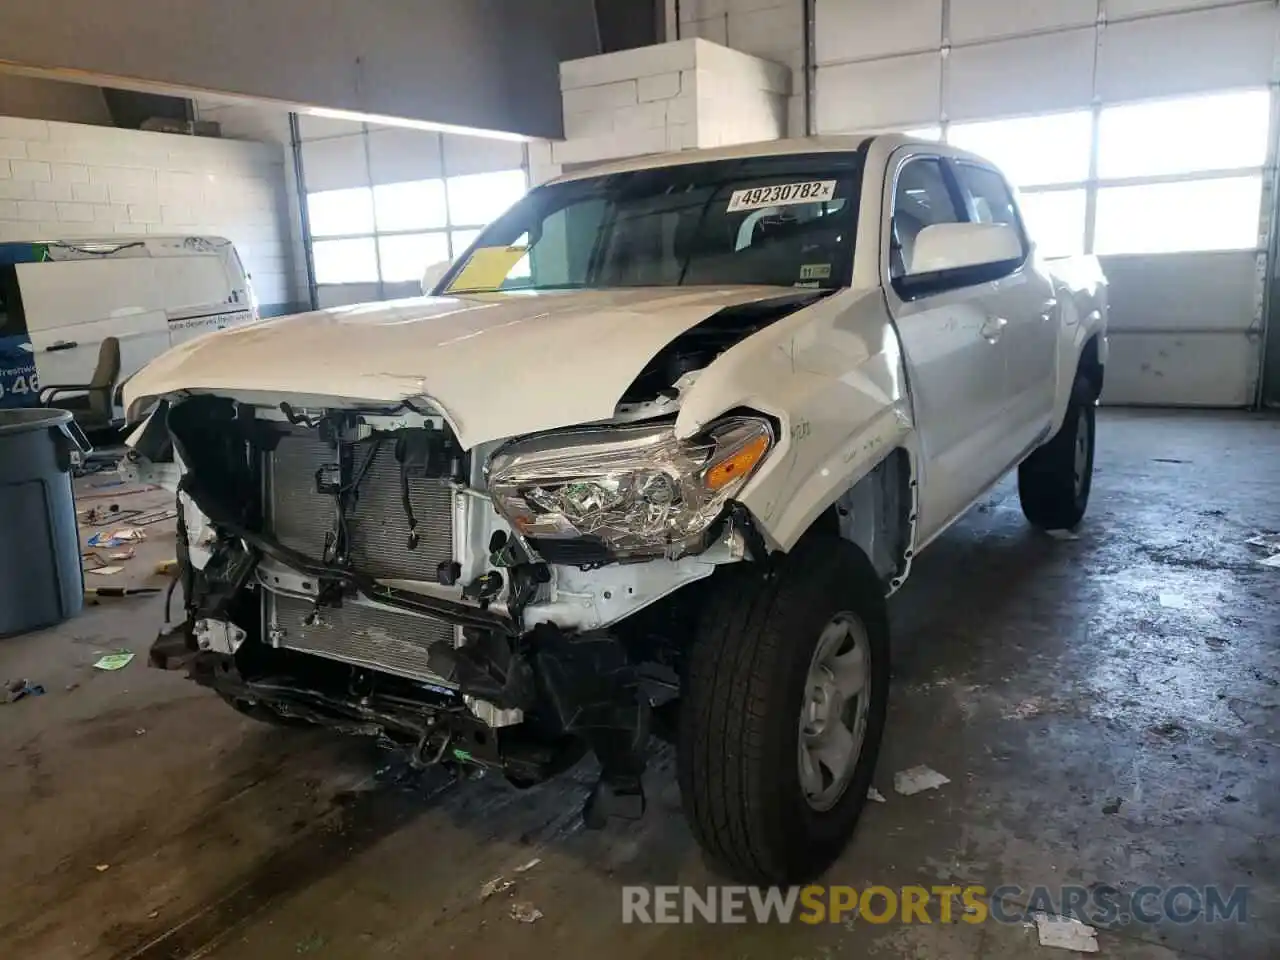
[673,96]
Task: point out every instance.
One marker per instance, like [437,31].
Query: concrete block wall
[769,29]
[669,97]
[69,181]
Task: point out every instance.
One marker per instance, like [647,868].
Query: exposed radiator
[371,637]
[377,528]
[376,523]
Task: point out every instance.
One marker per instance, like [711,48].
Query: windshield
[783,221]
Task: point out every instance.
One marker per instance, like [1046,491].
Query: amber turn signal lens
[736,465]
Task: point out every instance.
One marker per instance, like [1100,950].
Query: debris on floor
[1066,932]
[524,868]
[107,571]
[495,886]
[167,568]
[1063,534]
[917,779]
[311,944]
[525,912]
[155,516]
[117,538]
[1112,806]
[114,661]
[1270,541]
[103,867]
[123,555]
[876,795]
[93,594]
[15,690]
[1024,710]
[1271,561]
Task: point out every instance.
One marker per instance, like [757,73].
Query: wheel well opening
[1090,368]
[877,513]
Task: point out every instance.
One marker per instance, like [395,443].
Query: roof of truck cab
[766,148]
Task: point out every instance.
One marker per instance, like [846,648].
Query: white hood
[496,365]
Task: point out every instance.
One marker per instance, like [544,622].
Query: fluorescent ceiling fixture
[416,124]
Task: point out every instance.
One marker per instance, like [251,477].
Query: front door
[955,353]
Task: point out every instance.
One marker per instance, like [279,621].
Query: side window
[989,197]
[922,199]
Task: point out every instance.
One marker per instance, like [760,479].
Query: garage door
[1139,130]
[384,203]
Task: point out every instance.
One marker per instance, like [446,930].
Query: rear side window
[989,198]
[921,199]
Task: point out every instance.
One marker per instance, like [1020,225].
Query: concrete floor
[1106,709]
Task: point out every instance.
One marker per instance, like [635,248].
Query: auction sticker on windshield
[782,195]
[486,269]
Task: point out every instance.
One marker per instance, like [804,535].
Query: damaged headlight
[634,490]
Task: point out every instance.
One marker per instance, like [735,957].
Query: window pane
[410,206]
[1055,221]
[462,239]
[1220,132]
[407,257]
[1032,150]
[345,261]
[988,195]
[481,198]
[1167,217]
[340,212]
[924,133]
[922,199]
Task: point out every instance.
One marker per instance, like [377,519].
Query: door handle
[61,345]
[993,328]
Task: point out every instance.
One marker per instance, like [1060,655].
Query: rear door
[1023,304]
[956,370]
[72,305]
[199,293]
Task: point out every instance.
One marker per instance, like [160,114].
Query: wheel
[1054,482]
[783,709]
[262,713]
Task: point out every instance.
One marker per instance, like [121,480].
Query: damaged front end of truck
[357,568]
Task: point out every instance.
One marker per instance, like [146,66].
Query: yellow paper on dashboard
[486,268]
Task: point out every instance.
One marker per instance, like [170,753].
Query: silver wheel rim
[833,714]
[1081,465]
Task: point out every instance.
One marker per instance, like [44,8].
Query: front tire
[783,711]
[1054,482]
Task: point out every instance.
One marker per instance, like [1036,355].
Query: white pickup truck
[649,459]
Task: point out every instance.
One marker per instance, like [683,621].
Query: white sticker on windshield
[782,195]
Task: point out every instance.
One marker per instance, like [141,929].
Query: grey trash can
[41,582]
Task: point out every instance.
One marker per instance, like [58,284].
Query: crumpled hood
[497,365]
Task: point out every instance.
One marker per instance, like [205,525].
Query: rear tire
[768,681]
[1054,482]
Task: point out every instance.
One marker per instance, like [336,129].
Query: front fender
[832,375]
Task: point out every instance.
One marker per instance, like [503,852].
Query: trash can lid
[25,419]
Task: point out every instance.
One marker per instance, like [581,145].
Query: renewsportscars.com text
[1098,905]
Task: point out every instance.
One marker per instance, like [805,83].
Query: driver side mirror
[434,274]
[946,256]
